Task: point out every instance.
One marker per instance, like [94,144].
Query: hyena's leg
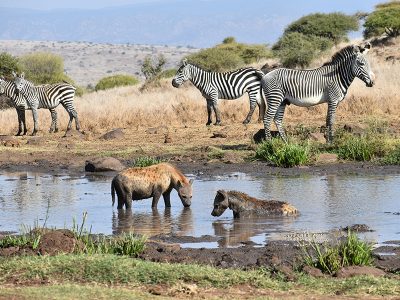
[167,198]
[156,197]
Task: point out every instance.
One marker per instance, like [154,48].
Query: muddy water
[326,203]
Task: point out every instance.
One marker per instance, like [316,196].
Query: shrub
[350,252]
[115,81]
[8,64]
[362,148]
[283,154]
[393,158]
[152,69]
[145,161]
[228,55]
[332,26]
[42,67]
[385,18]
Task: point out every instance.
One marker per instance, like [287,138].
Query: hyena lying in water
[153,181]
[244,205]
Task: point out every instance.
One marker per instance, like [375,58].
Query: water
[325,203]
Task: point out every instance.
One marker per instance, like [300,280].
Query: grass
[330,258]
[121,272]
[145,161]
[283,154]
[393,158]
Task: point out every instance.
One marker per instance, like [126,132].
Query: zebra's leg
[53,127]
[209,111]
[35,120]
[278,120]
[77,124]
[217,112]
[18,109]
[273,106]
[262,107]
[253,101]
[23,120]
[330,119]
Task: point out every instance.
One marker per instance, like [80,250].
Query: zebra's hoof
[246,122]
[217,124]
[208,123]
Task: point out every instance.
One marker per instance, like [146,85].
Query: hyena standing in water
[153,181]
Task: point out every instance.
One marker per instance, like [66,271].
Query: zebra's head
[2,87]
[20,82]
[361,67]
[182,75]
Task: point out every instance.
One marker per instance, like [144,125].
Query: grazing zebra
[8,88]
[47,96]
[229,85]
[328,83]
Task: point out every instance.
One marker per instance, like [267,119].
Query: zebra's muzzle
[175,84]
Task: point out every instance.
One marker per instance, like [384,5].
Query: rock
[113,134]
[74,134]
[317,137]
[312,271]
[9,251]
[351,271]
[259,136]
[326,158]
[286,271]
[358,228]
[103,164]
[159,129]
[219,135]
[57,242]
[357,129]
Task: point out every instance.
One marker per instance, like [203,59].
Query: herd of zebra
[271,91]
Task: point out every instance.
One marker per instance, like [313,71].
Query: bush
[385,18]
[152,69]
[228,56]
[8,64]
[363,148]
[351,252]
[332,26]
[393,158]
[145,161]
[297,49]
[115,81]
[283,154]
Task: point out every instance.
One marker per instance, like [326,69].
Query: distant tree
[115,81]
[8,64]
[151,69]
[332,26]
[229,40]
[385,19]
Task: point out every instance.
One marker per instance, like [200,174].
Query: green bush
[297,49]
[332,26]
[283,154]
[393,157]
[385,18]
[363,148]
[8,64]
[350,252]
[145,161]
[228,56]
[115,81]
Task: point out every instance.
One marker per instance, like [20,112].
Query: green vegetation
[145,161]
[393,157]
[229,55]
[8,64]
[329,259]
[311,35]
[115,81]
[283,154]
[25,240]
[152,69]
[385,19]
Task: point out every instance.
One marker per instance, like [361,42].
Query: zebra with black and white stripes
[326,84]
[47,96]
[8,88]
[229,85]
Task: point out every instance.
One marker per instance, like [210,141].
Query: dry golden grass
[127,107]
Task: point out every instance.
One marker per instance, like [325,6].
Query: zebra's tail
[112,192]
[262,105]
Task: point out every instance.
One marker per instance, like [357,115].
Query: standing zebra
[328,83]
[229,85]
[47,96]
[8,88]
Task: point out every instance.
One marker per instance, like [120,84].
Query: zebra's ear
[14,74]
[356,49]
[366,48]
[184,62]
[22,75]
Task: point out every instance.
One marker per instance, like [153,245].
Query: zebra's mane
[340,55]
[206,70]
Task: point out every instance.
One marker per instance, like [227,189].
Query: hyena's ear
[222,194]
[179,184]
[191,181]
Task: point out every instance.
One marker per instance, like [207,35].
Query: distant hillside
[86,63]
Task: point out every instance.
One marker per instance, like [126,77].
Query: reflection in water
[324,202]
[152,223]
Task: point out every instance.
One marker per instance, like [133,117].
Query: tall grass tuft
[393,157]
[145,161]
[283,154]
[361,148]
[330,258]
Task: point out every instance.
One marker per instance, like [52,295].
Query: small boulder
[219,135]
[76,134]
[312,271]
[57,242]
[103,164]
[259,136]
[113,134]
[358,228]
[351,271]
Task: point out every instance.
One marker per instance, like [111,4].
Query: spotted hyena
[244,205]
[153,181]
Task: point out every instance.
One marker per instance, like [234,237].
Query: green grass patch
[145,161]
[330,258]
[393,158]
[283,154]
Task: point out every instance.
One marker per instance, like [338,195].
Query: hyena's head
[185,192]
[221,203]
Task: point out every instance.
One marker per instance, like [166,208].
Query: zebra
[229,85]
[47,96]
[328,83]
[8,88]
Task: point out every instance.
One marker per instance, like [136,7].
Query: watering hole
[326,203]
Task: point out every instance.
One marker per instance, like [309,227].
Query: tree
[8,64]
[333,26]
[385,19]
[151,69]
[115,81]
